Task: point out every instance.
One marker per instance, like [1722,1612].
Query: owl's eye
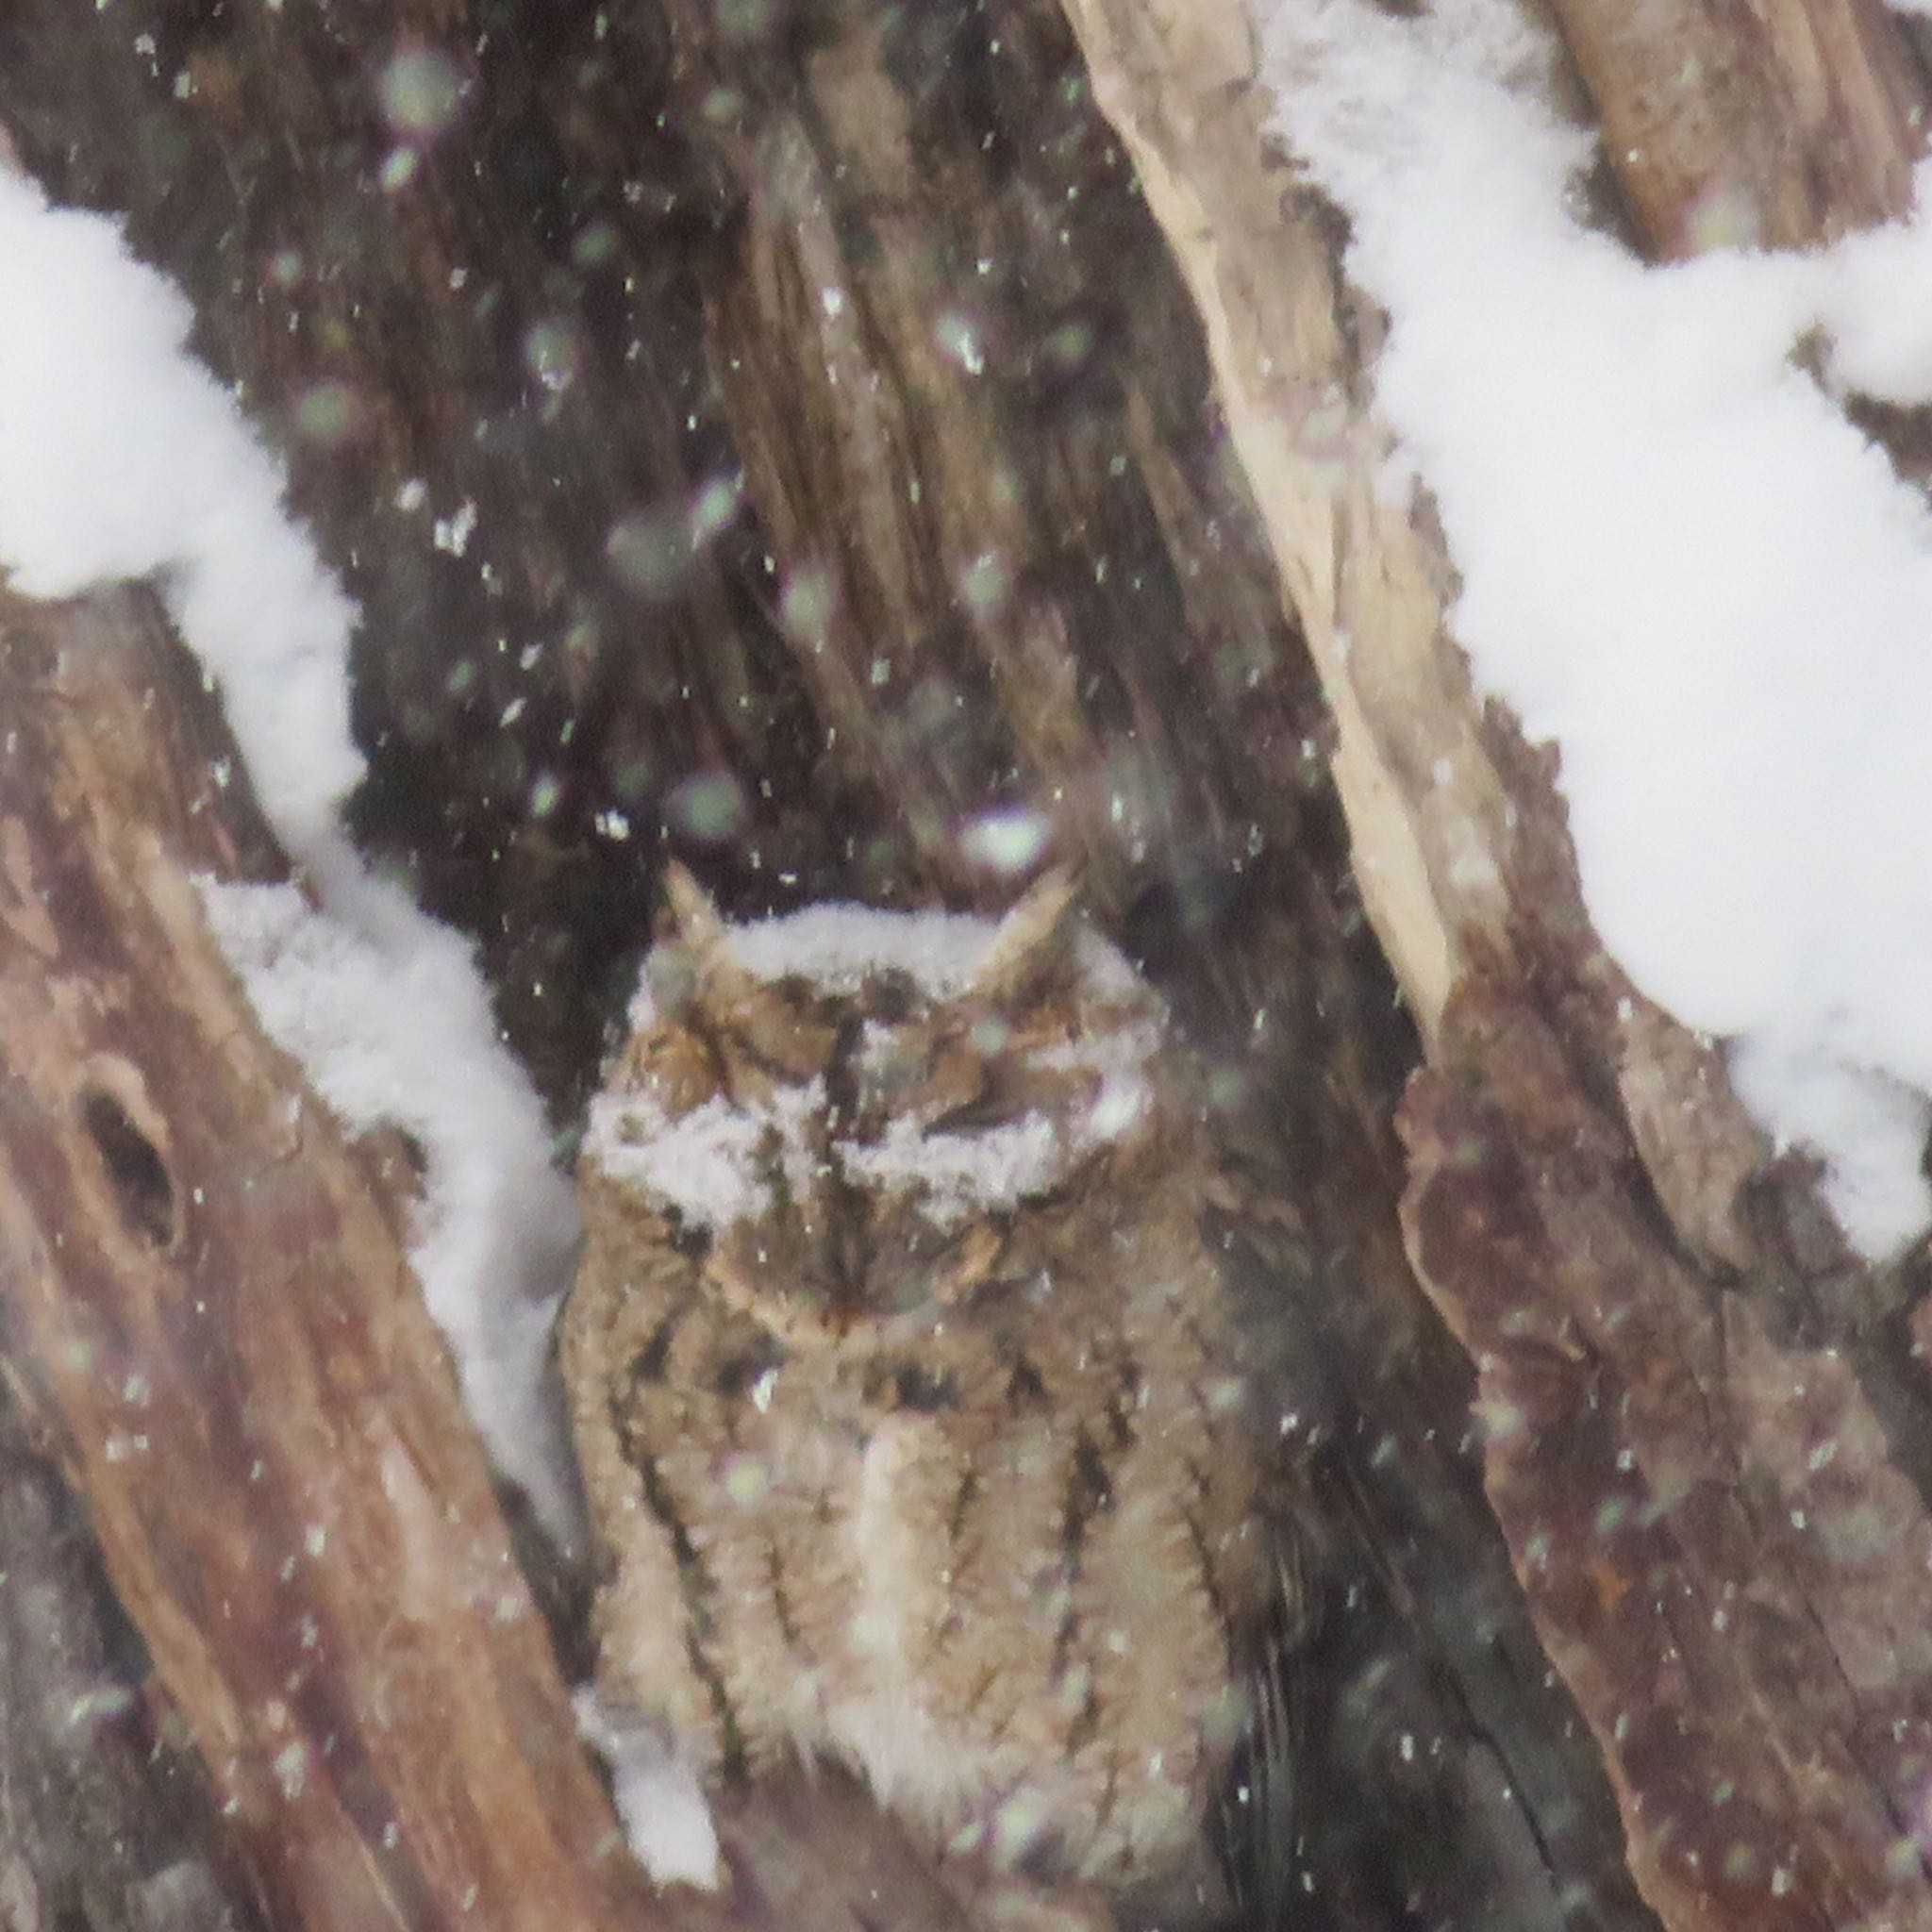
[690,1238]
[736,1372]
[784,1030]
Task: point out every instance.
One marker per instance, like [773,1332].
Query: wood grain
[1703,1427]
[1724,1551]
[1774,123]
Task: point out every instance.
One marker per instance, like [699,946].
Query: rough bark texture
[107,1823]
[1724,1551]
[1778,124]
[471,329]
[207,1313]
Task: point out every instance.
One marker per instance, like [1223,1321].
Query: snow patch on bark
[1681,561]
[121,457]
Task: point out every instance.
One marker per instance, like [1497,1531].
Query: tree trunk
[209,1317]
[809,438]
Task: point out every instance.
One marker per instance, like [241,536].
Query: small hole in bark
[139,1174]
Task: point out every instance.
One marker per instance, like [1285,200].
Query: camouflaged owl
[905,1388]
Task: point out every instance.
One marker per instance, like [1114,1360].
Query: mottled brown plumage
[905,1388]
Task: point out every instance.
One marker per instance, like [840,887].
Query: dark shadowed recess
[105,1812]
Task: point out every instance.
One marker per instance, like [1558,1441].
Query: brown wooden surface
[974,418]
[1781,125]
[487,379]
[208,1315]
[107,1820]
[1725,1557]
[1776,123]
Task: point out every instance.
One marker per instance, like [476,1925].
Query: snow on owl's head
[842,1112]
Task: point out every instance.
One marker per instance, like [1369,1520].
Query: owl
[906,1390]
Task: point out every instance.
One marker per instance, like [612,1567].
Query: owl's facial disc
[848,1110]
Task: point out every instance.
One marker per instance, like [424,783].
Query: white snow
[1679,560]
[839,946]
[657,1796]
[964,1175]
[705,1163]
[119,456]
[387,1015]
[1012,840]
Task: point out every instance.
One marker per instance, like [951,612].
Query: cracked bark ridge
[1722,1557]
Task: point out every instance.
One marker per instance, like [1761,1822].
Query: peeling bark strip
[1723,1560]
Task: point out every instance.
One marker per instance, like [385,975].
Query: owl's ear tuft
[1034,939]
[699,931]
[693,912]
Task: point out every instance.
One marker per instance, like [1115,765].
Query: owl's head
[845,1114]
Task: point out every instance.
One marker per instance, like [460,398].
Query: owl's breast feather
[876,1711]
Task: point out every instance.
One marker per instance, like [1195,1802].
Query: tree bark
[471,335]
[1768,126]
[208,1314]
